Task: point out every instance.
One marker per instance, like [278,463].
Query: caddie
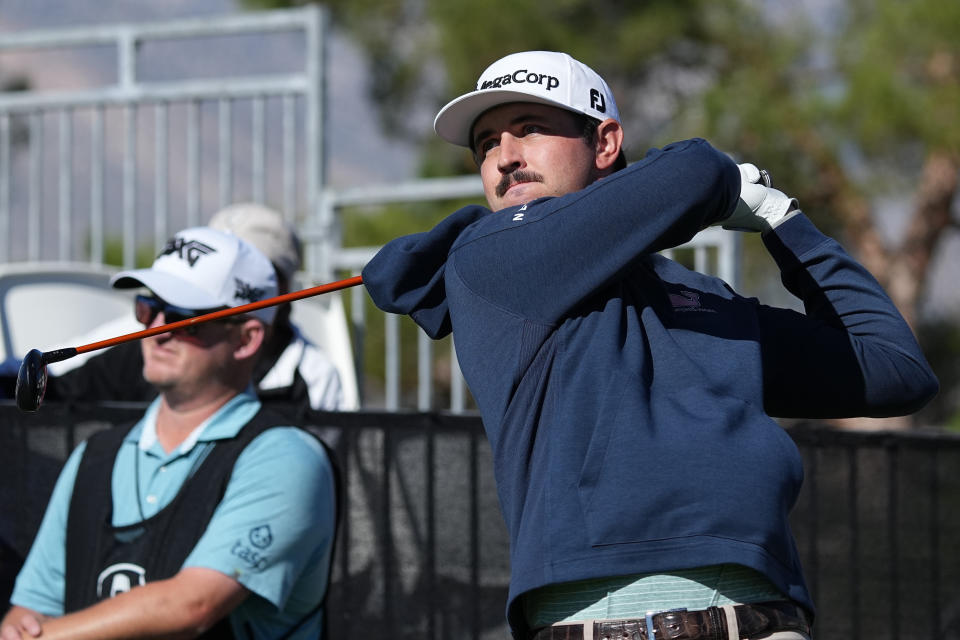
[210,517]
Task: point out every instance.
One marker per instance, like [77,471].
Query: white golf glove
[761,208]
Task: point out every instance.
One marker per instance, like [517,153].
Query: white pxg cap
[545,77]
[202,268]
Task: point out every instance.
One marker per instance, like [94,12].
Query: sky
[359,152]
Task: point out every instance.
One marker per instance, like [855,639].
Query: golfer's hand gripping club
[760,208]
[32,375]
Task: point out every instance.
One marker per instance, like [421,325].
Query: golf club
[32,376]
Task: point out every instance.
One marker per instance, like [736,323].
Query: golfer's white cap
[545,77]
[202,268]
[265,229]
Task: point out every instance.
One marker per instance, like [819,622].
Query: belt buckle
[648,618]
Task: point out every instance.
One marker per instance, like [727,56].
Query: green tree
[846,115]
[851,112]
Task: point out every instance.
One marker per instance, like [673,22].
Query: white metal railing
[180,107]
[338,259]
[246,136]
[725,263]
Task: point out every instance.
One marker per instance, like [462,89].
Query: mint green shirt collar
[224,424]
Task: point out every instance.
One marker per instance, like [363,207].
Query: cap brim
[455,121]
[173,290]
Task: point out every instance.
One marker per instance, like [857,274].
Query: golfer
[627,399]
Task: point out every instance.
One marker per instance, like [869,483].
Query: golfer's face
[527,151]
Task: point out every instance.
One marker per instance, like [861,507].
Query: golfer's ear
[252,336]
[609,143]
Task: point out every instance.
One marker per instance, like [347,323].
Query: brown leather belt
[708,624]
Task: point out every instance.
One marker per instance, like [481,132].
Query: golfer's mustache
[514,177]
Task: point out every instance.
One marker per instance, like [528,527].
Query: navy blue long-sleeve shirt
[627,399]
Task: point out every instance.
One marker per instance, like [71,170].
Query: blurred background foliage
[851,104]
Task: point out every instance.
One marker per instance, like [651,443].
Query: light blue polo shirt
[272,532]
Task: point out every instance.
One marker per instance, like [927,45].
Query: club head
[31,381]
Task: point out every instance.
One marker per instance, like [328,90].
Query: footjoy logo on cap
[189,250]
[520,76]
[597,102]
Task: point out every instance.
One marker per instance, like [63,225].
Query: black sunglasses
[146,309]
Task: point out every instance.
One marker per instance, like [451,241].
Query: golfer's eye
[487,145]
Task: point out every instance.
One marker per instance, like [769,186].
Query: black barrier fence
[422,550]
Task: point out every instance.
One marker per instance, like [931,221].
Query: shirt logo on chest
[688,301]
